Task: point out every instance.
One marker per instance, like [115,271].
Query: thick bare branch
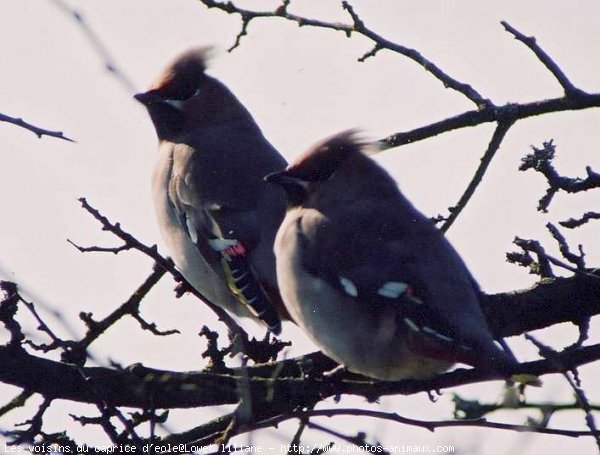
[288,381]
[280,388]
[508,112]
[549,302]
[142,387]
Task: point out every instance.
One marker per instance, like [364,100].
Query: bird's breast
[365,338]
[180,246]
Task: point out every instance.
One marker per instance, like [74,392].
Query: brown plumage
[369,277]
[216,214]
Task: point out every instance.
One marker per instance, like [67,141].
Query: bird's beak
[296,189]
[148,97]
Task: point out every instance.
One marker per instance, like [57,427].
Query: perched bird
[217,215]
[371,280]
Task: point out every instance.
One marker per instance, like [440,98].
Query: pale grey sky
[301,84]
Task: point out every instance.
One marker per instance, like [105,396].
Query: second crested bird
[216,214]
[369,278]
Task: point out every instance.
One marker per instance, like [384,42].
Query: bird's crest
[181,79]
[322,160]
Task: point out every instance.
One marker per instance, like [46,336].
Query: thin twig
[542,266]
[555,357]
[39,132]
[497,138]
[130,307]
[35,425]
[585,405]
[357,27]
[16,402]
[541,161]
[166,264]
[531,43]
[433,425]
[576,222]
[42,326]
[96,43]
[358,440]
[303,421]
[576,259]
[473,409]
[100,249]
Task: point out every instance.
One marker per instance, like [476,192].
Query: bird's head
[317,165]
[184,97]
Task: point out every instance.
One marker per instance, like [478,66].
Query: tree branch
[572,376]
[141,387]
[574,98]
[531,43]
[576,222]
[497,138]
[279,388]
[39,132]
[357,27]
[549,302]
[130,307]
[98,46]
[130,242]
[509,112]
[541,161]
[432,425]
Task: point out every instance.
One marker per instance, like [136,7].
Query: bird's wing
[380,263]
[224,235]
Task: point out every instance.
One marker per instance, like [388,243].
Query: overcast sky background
[301,84]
